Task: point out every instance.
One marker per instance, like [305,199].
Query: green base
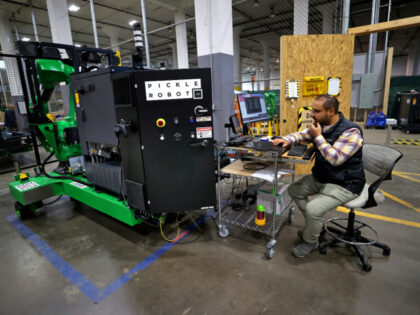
[38,188]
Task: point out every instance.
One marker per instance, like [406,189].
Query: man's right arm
[299,137]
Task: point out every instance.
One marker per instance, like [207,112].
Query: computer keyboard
[297,150]
[238,141]
[308,153]
[267,146]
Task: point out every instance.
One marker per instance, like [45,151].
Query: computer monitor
[252,107]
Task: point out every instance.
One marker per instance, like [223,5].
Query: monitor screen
[252,107]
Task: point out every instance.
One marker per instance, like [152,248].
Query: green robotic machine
[136,145]
[45,70]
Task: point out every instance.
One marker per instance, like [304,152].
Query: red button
[160,122]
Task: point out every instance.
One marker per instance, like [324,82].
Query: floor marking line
[403,202]
[75,277]
[380,217]
[407,177]
[405,173]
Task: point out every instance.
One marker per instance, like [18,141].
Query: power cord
[60,177]
[161,230]
[50,203]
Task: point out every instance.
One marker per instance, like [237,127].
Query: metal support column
[146,40]
[95,34]
[34,21]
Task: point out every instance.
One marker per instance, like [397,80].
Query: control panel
[168,151]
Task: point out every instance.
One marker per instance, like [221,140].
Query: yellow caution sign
[304,117]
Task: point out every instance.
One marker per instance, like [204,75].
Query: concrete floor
[205,274]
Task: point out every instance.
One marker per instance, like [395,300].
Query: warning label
[203,119]
[26,186]
[204,132]
[79,185]
[76,98]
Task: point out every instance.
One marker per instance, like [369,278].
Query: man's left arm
[343,148]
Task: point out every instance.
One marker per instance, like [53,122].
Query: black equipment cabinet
[166,138]
[95,109]
[408,105]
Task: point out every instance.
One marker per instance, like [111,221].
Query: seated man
[337,176]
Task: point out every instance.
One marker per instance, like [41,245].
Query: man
[337,176]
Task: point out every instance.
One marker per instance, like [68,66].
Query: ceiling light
[74,8]
[26,39]
[277,60]
[132,22]
[77,45]
[256,3]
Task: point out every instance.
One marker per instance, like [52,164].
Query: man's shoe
[304,249]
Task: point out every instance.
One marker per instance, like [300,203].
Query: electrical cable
[50,203]
[60,177]
[161,230]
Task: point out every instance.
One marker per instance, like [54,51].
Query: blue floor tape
[75,277]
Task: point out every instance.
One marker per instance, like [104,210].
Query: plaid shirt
[343,148]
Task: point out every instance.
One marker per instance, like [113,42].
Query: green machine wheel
[25,212]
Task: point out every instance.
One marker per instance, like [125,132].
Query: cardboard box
[265,197]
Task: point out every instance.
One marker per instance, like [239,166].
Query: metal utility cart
[245,219]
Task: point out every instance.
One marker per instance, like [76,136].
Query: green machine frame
[44,71]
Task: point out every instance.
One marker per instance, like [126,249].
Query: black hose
[50,203]
[60,177]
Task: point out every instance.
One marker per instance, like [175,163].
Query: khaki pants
[328,197]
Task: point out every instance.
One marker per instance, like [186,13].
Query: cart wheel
[23,212]
[386,252]
[223,232]
[367,267]
[322,251]
[270,252]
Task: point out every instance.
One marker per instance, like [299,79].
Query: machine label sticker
[173,89]
[76,98]
[78,185]
[203,119]
[204,132]
[26,186]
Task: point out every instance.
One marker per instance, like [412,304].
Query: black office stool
[380,161]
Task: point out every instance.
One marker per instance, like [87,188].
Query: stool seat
[379,161]
[360,201]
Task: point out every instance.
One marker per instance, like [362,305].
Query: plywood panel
[387,79]
[314,55]
[385,26]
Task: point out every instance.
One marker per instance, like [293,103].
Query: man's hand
[315,129]
[281,142]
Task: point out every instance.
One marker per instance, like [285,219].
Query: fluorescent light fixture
[26,39]
[256,3]
[2,65]
[77,45]
[132,22]
[74,8]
